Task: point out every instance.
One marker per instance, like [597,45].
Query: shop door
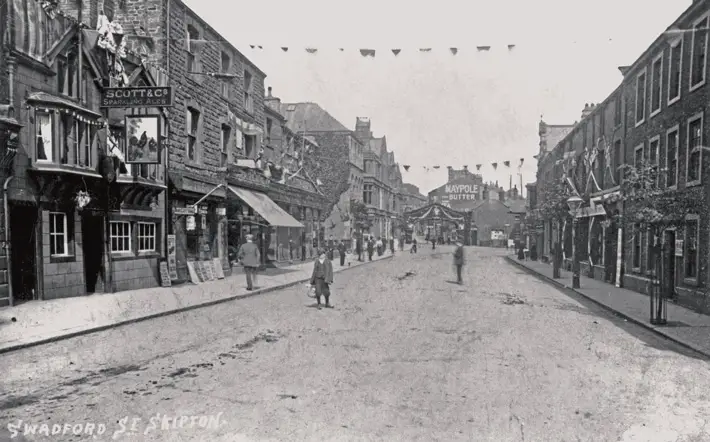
[23,221]
[92,228]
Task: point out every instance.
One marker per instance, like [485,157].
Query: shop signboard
[190,210]
[136,97]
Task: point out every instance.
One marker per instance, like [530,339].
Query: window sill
[691,281]
[693,183]
[639,123]
[672,188]
[61,258]
[673,101]
[195,164]
[122,256]
[147,255]
[654,113]
[697,85]
[636,270]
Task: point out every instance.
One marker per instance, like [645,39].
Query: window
[249,141]
[617,111]
[248,98]
[226,138]
[146,237]
[584,135]
[694,152]
[653,151]
[269,125]
[43,136]
[82,143]
[116,140]
[672,157]
[617,161]
[367,194]
[120,236]
[638,157]
[641,97]
[68,74]
[650,256]
[656,84]
[698,59]
[636,247]
[66,140]
[192,36]
[193,125]
[58,234]
[690,248]
[675,63]
[226,66]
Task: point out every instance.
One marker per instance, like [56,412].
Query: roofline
[274,112]
[224,41]
[684,15]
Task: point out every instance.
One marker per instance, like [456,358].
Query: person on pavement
[414,246]
[370,248]
[341,252]
[322,277]
[459,261]
[433,243]
[378,244]
[358,248]
[392,245]
[249,257]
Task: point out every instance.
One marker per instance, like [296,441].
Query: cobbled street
[404,355]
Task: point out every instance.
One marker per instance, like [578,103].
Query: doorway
[668,263]
[92,228]
[23,222]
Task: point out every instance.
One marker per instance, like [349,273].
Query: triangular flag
[341,49]
[252,46]
[367,52]
[483,48]
[396,52]
[285,49]
[506,163]
[260,47]
[436,167]
[406,167]
[495,166]
[454,50]
[510,47]
[311,50]
[478,166]
[425,50]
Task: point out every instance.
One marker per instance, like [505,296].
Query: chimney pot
[269,89]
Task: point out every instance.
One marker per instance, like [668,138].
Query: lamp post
[574,202]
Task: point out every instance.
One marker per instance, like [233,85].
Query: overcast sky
[436,108]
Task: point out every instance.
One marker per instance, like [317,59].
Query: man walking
[249,257]
[414,246]
[358,247]
[392,245]
[433,243]
[370,248]
[459,261]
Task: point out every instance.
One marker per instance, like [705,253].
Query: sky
[436,108]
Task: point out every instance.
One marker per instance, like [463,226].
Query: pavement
[684,326]
[405,355]
[40,322]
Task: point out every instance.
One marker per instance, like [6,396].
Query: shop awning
[265,207]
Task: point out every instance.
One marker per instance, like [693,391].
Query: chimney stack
[272,102]
[588,108]
[269,88]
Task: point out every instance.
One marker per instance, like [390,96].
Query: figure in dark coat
[358,248]
[459,261]
[392,245]
[414,246]
[370,248]
[341,252]
[322,277]
[433,243]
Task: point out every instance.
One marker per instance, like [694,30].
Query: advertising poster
[172,260]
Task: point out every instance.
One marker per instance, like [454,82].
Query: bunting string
[494,165]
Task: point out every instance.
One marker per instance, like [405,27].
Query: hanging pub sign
[143,135]
[137,97]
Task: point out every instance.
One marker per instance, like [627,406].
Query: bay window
[43,136]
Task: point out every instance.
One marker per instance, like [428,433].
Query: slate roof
[310,117]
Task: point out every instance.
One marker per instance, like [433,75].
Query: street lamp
[574,202]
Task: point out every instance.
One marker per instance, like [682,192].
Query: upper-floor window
[226,67]
[654,146]
[44,136]
[694,149]
[226,138]
[192,125]
[672,157]
[367,192]
[269,126]
[617,111]
[656,84]
[675,63]
[193,37]
[641,97]
[83,137]
[584,134]
[698,60]
[248,92]
[68,74]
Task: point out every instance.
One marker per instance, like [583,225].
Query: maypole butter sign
[461,192]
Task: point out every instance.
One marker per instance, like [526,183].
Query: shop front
[277,233]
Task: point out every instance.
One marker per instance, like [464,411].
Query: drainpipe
[8,248]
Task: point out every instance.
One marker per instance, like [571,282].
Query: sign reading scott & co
[137,97]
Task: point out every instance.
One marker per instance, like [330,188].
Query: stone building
[79,219]
[412,197]
[335,162]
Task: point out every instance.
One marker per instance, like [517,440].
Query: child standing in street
[322,277]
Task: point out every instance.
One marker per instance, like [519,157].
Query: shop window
[146,237]
[690,252]
[120,236]
[58,234]
[43,136]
